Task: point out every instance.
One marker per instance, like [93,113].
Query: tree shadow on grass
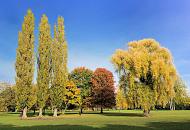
[31,114]
[170,125]
[72,127]
[123,114]
[111,114]
[149,126]
[116,114]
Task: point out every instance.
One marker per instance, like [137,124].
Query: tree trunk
[81,110]
[171,104]
[55,112]
[34,111]
[40,112]
[146,113]
[24,116]
[65,109]
[101,110]
[44,111]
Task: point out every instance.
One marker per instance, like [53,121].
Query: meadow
[109,120]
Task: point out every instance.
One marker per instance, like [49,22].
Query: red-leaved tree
[103,94]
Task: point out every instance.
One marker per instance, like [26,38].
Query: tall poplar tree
[63,43]
[24,65]
[59,66]
[43,79]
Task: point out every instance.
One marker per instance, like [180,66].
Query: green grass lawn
[110,120]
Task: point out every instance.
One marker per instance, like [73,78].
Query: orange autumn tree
[103,95]
[149,73]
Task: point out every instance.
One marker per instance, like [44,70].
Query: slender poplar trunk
[24,112]
[40,112]
[55,112]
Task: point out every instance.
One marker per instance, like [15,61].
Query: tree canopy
[149,72]
[103,91]
[24,65]
[44,60]
[59,77]
[81,76]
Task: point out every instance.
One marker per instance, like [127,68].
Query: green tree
[44,58]
[81,76]
[180,94]
[8,99]
[149,71]
[103,89]
[25,64]
[4,90]
[59,77]
[2,104]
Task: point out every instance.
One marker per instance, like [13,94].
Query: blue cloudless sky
[96,28]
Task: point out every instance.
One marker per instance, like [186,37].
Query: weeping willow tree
[148,74]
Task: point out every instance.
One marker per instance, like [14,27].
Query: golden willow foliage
[44,58]
[59,77]
[149,71]
[121,100]
[24,65]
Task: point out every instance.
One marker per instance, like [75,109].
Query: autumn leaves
[83,87]
[149,74]
[146,71]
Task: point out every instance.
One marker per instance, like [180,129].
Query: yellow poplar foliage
[149,71]
[63,43]
[43,79]
[24,65]
[59,69]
